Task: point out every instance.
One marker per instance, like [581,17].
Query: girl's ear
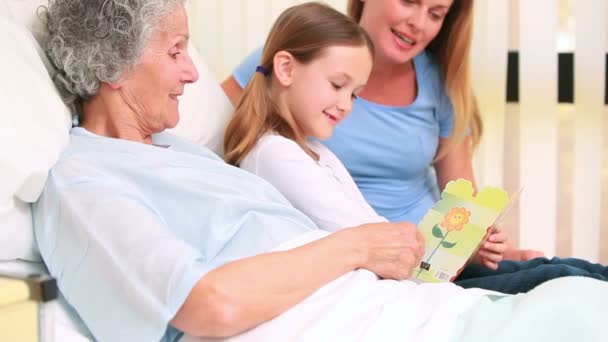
[283,65]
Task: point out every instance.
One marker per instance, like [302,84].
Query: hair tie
[261,70]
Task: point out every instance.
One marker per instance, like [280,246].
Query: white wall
[226,30]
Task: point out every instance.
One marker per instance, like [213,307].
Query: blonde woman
[412,129]
[416,112]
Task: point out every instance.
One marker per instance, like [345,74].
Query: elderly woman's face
[153,88]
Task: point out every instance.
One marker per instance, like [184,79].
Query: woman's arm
[457,163]
[243,294]
[234,84]
[116,246]
[232,89]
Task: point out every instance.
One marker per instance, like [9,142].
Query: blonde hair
[303,31]
[452,47]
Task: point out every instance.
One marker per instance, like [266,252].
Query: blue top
[128,228]
[388,150]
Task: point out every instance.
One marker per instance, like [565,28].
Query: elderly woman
[150,236]
[142,229]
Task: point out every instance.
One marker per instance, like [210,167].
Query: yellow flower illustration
[455,219]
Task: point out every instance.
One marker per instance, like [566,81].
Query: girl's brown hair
[452,47]
[303,31]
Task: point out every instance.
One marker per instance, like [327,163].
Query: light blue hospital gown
[129,228]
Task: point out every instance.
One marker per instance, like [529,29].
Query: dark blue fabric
[522,276]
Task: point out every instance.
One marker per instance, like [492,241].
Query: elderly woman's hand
[391,250]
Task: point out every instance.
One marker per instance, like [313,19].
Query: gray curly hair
[93,41]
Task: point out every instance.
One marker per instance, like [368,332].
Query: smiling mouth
[333,118]
[403,38]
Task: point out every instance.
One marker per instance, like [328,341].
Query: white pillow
[4,13]
[204,109]
[16,232]
[25,12]
[34,130]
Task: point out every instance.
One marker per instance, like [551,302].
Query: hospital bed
[34,128]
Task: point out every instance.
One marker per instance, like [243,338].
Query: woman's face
[153,87]
[401,29]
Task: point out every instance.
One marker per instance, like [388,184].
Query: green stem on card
[439,244]
[433,253]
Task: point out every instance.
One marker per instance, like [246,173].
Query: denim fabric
[522,276]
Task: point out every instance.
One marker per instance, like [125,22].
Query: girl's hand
[517,254]
[492,251]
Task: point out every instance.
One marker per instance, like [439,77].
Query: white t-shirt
[322,190]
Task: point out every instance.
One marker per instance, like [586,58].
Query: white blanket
[360,307]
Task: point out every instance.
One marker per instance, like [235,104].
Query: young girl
[310,73]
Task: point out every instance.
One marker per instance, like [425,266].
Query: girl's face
[322,92]
[401,29]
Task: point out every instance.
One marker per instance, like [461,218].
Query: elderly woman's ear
[113,85]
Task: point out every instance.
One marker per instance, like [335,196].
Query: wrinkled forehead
[174,24]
